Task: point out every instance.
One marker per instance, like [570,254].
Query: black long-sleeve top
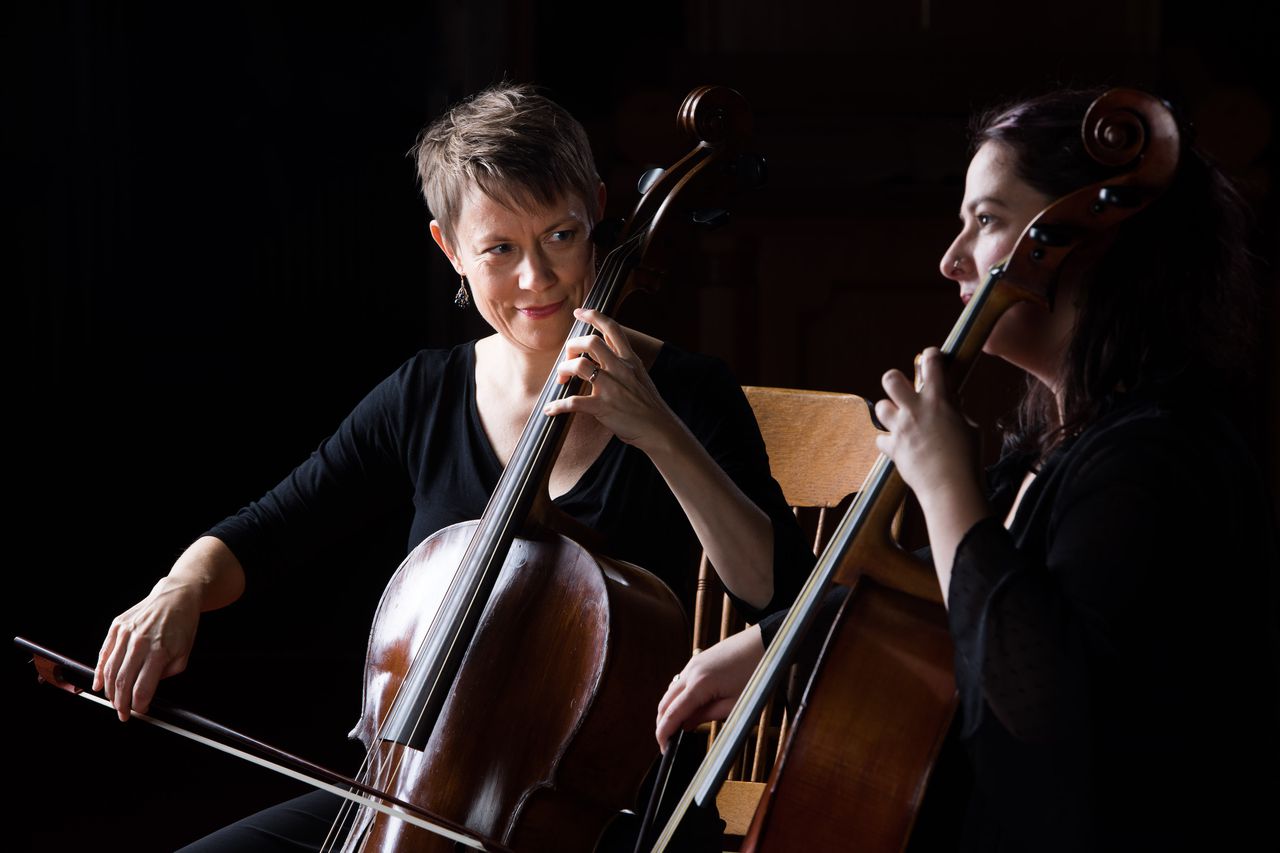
[1116,649]
[417,437]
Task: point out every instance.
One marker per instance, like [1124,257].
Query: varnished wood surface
[563,640]
[869,785]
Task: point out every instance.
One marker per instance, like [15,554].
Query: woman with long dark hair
[1111,588]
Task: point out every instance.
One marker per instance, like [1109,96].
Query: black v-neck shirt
[418,437]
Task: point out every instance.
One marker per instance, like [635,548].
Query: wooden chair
[820,446]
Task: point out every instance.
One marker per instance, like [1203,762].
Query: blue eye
[984,219]
[563,236]
[501,249]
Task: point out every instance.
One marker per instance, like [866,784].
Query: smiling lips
[538,312]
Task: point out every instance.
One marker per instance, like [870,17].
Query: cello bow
[74,677]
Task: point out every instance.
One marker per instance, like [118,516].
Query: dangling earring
[463,297]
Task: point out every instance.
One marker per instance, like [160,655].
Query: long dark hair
[1174,297]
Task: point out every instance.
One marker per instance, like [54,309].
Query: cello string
[610,278]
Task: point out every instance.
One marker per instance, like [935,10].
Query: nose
[538,273]
[955,263]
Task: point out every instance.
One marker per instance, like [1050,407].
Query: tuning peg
[648,179]
[712,217]
[1050,235]
[1118,196]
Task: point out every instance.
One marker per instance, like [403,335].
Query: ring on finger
[595,371]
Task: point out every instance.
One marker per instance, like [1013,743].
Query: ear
[600,199]
[438,236]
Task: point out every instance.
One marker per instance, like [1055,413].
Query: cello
[873,716]
[501,708]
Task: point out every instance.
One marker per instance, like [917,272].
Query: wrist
[208,573]
[957,498]
[667,442]
[180,586]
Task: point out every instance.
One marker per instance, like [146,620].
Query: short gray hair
[513,144]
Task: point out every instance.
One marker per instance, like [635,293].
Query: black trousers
[298,824]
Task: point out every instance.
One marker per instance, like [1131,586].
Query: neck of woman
[522,372]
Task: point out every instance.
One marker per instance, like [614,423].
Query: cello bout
[527,748]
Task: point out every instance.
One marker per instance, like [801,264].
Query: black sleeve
[1024,629]
[726,426]
[355,476]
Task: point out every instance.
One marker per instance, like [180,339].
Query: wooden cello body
[853,767]
[878,705]
[543,763]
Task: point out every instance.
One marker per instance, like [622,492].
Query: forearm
[950,510]
[736,534]
[210,571]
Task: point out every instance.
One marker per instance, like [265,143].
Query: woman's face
[997,207]
[528,269]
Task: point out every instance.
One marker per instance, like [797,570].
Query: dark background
[219,248]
